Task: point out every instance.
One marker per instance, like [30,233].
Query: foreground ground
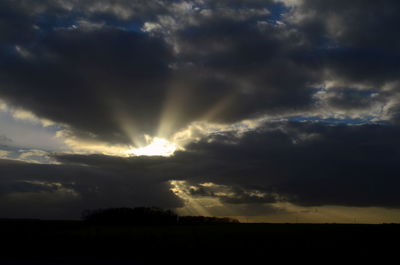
[73,242]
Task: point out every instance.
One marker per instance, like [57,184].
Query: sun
[157,147]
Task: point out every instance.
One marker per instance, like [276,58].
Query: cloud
[232,195]
[122,81]
[96,74]
[339,33]
[345,22]
[4,153]
[102,74]
[187,61]
[304,163]
[307,164]
[4,140]
[64,191]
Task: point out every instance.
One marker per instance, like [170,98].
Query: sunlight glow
[193,206]
[157,147]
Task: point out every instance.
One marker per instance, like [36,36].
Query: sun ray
[218,108]
[173,110]
[192,206]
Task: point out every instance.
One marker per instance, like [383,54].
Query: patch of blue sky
[337,121]
[132,26]
[277,11]
[48,23]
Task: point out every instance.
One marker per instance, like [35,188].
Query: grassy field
[74,242]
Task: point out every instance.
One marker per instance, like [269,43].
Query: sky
[262,110]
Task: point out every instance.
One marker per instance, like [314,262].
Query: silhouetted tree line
[190,220]
[138,216]
[147,216]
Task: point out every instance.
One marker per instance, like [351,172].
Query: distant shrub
[191,220]
[129,216]
[147,216]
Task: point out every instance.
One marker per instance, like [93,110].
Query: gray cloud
[312,164]
[4,140]
[232,195]
[307,164]
[108,69]
[355,40]
[223,61]
[64,191]
[100,70]
[345,22]
[304,163]
[92,74]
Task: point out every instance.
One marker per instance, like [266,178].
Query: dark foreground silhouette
[147,216]
[28,242]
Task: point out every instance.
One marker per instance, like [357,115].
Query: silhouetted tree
[190,220]
[129,216]
[147,216]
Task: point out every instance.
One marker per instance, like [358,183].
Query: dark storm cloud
[310,164]
[355,44]
[304,163]
[64,191]
[95,66]
[358,23]
[83,72]
[83,77]
[96,74]
[13,22]
[359,38]
[373,67]
[86,64]
[250,59]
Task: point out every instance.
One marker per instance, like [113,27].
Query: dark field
[74,242]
